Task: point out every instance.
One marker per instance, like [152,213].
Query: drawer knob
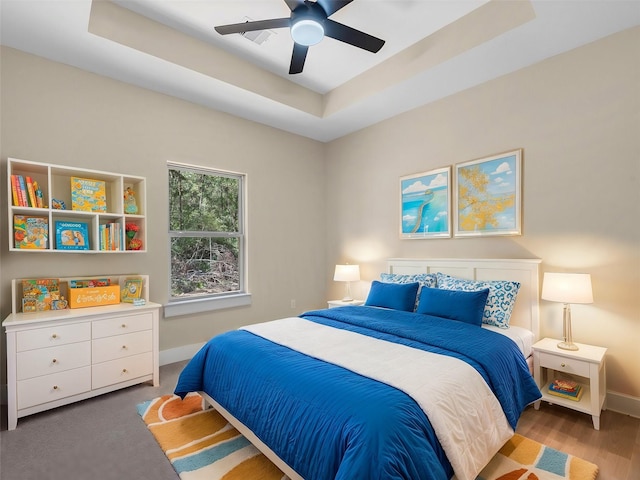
[124,370]
[562,365]
[55,387]
[54,360]
[54,336]
[124,325]
[124,347]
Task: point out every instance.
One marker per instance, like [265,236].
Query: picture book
[573,395]
[131,290]
[90,283]
[15,186]
[88,195]
[41,294]
[72,235]
[31,193]
[30,232]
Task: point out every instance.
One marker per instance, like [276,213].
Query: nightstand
[585,365]
[341,303]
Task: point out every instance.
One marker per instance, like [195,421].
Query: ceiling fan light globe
[307,32]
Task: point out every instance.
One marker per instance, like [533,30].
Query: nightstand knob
[124,347]
[55,387]
[54,336]
[124,325]
[54,361]
[124,370]
[562,365]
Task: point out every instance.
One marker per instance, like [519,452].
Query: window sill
[188,307]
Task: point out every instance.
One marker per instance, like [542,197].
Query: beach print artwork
[425,200]
[488,196]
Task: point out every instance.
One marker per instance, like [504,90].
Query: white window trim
[208,304]
[190,306]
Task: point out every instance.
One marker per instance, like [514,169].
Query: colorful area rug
[201,444]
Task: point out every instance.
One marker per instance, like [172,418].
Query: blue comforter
[327,422]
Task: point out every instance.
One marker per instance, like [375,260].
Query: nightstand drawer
[566,365]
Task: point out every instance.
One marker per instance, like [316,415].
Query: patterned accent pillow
[500,302]
[423,279]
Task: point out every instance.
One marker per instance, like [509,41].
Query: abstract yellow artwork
[488,196]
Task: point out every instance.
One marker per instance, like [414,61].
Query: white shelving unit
[55,183]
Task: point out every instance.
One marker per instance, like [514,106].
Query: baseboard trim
[179,354]
[622,403]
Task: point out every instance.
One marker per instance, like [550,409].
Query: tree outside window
[206,232]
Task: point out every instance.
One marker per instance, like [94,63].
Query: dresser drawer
[35,363]
[52,336]
[122,370]
[49,388]
[111,348]
[562,364]
[120,325]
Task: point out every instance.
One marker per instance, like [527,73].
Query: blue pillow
[397,296]
[458,305]
[500,302]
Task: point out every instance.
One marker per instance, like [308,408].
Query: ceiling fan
[309,24]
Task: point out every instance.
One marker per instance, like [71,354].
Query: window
[207,241]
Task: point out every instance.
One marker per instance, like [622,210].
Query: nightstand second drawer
[567,365]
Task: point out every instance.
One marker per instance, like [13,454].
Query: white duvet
[462,409]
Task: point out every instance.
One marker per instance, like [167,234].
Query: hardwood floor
[615,448]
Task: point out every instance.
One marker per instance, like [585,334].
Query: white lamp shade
[567,287]
[347,273]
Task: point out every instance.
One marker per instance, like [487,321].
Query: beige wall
[57,114]
[577,118]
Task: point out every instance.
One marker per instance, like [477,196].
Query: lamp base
[568,346]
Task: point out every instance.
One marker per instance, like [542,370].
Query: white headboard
[526,311]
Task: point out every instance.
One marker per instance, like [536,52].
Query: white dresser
[58,357]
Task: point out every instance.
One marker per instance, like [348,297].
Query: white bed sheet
[521,336]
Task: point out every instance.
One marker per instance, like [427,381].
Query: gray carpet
[102,438]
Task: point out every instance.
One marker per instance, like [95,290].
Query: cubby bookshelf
[55,183]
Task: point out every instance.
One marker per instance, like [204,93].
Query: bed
[377,392]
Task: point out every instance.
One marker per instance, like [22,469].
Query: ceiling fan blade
[251,26]
[297,58]
[332,6]
[352,36]
[293,4]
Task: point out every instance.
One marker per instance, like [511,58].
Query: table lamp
[567,288]
[348,274]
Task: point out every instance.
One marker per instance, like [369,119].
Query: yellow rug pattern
[201,444]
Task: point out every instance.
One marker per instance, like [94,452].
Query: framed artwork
[488,196]
[425,200]
[131,290]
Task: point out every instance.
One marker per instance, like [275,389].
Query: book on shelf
[575,395]
[90,283]
[39,196]
[72,235]
[31,192]
[41,294]
[30,232]
[111,236]
[15,195]
[88,195]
